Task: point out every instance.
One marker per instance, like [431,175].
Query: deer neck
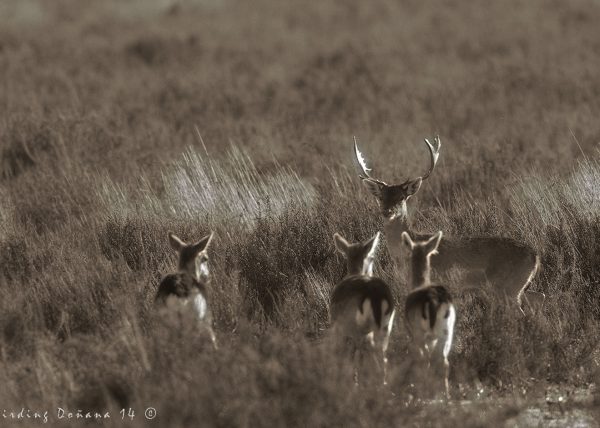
[189,269]
[366,268]
[420,272]
[352,270]
[393,228]
[189,273]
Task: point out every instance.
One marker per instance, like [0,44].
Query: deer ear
[433,242]
[372,243]
[202,244]
[340,243]
[407,241]
[413,186]
[374,186]
[176,243]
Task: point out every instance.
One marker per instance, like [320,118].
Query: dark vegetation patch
[25,143]
[140,243]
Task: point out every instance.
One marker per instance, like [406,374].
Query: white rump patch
[389,319]
[371,338]
[390,322]
[367,313]
[200,305]
[384,306]
[175,303]
[448,325]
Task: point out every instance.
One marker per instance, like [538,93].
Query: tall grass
[78,310]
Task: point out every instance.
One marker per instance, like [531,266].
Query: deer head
[193,258]
[360,256]
[392,197]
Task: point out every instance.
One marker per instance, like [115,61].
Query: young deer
[185,292]
[508,265]
[430,314]
[362,306]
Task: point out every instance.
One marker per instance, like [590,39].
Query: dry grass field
[123,120]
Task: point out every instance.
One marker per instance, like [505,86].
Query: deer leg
[446,376]
[213,338]
[534,299]
[385,363]
[380,361]
[440,368]
[356,360]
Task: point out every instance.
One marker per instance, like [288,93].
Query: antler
[362,163]
[434,152]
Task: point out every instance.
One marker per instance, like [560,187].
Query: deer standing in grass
[507,265]
[362,306]
[185,292]
[429,311]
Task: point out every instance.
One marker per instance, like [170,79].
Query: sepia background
[124,120]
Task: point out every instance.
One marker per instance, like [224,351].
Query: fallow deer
[506,264]
[185,292]
[429,311]
[362,306]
